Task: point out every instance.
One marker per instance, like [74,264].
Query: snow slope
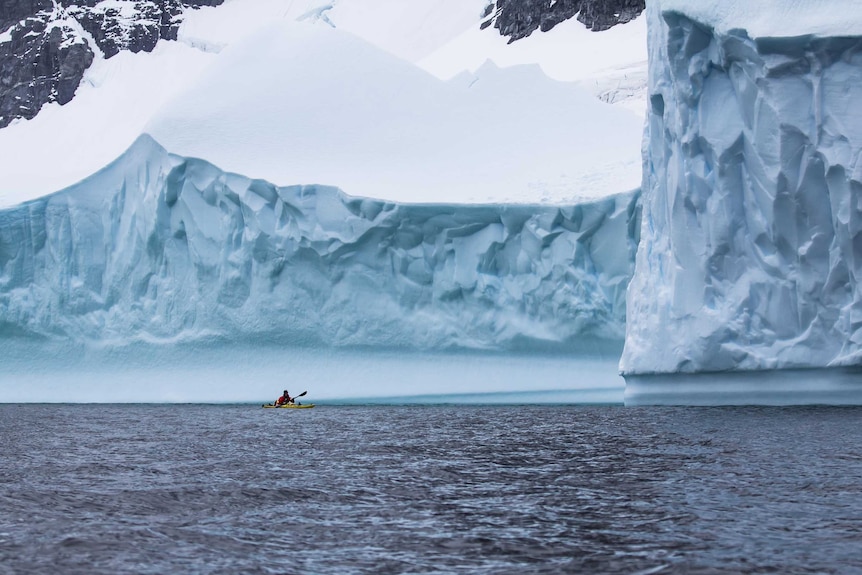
[343,112]
[410,30]
[120,95]
[752,224]
[117,97]
[567,52]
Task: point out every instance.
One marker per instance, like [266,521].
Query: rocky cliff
[46,45]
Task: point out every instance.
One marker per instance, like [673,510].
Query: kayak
[290,406]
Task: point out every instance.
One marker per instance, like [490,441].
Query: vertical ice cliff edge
[750,259]
[158,248]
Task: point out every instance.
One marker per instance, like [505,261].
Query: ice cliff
[162,248]
[751,242]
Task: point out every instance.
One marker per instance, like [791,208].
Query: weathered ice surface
[520,18]
[751,251]
[46,45]
[160,248]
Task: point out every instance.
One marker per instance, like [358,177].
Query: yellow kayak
[289,406]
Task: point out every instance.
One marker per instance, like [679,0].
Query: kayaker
[285,398]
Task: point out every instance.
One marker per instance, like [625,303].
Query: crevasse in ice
[162,248]
[751,241]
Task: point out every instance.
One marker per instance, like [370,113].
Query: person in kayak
[285,398]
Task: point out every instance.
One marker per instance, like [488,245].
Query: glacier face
[751,241]
[158,248]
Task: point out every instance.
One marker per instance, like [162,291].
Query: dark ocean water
[432,489]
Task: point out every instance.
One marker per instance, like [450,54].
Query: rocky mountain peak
[46,45]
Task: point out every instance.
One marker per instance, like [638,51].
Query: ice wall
[751,250]
[159,248]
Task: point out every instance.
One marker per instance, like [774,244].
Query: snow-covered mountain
[118,95]
[752,221]
[47,45]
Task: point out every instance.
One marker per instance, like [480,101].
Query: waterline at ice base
[747,280]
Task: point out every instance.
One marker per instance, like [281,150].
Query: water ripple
[496,490]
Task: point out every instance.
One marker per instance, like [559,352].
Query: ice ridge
[162,248]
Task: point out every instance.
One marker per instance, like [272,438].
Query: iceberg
[752,204]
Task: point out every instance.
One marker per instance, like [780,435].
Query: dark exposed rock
[43,54]
[519,18]
[38,65]
[12,11]
[598,15]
